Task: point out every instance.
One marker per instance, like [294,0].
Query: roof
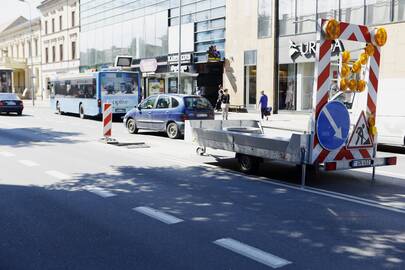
[13,23]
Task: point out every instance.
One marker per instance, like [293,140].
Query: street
[70,201]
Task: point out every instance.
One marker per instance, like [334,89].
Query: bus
[6,80]
[84,94]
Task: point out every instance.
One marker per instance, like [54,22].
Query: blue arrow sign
[332,126]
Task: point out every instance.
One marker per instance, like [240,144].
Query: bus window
[116,83]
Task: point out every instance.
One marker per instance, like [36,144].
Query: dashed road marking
[252,252]
[7,154]
[156,214]
[58,174]
[100,192]
[28,163]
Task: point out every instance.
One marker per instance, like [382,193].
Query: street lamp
[30,52]
[179,60]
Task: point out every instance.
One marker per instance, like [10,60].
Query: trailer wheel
[248,164]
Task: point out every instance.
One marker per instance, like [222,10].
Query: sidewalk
[284,121]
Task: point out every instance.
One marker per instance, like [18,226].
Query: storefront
[296,71]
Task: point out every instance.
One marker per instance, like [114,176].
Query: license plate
[10,103]
[120,110]
[202,115]
[361,163]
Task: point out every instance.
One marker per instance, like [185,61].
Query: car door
[143,119]
[160,113]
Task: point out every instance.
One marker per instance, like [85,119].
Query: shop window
[287,87]
[250,77]
[264,18]
[352,11]
[399,10]
[378,11]
[286,17]
[304,86]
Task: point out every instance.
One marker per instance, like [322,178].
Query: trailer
[334,141]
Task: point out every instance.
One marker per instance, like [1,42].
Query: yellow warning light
[363,58]
[332,29]
[361,85]
[353,85]
[356,68]
[371,121]
[380,36]
[373,131]
[369,50]
[344,83]
[345,57]
[345,71]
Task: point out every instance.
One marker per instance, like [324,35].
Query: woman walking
[225,100]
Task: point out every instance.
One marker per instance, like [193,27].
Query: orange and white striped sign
[352,32]
[107,120]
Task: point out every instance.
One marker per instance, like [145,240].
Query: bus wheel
[131,126]
[81,112]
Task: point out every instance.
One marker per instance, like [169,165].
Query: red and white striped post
[107,121]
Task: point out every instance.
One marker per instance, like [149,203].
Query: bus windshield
[118,83]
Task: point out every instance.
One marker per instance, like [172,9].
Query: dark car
[10,103]
[167,112]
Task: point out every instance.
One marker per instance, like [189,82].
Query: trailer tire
[201,151]
[248,164]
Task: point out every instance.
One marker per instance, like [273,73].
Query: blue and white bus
[84,94]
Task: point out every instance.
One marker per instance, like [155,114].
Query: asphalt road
[71,202]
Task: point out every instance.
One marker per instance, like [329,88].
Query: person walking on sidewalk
[225,100]
[263,102]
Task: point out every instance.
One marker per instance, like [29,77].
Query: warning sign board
[360,137]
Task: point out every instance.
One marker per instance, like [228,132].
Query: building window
[29,49]
[73,18]
[53,25]
[286,17]
[18,51]
[53,54]
[306,16]
[264,18]
[23,50]
[352,11]
[46,27]
[61,52]
[60,23]
[73,50]
[250,78]
[36,47]
[399,10]
[378,11]
[328,9]
[46,55]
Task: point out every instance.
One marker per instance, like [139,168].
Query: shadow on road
[22,137]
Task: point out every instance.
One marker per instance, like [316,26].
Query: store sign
[308,49]
[174,59]
[176,68]
[148,65]
[213,54]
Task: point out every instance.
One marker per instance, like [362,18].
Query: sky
[11,9]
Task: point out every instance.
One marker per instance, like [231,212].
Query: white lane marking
[57,174]
[100,192]
[252,253]
[28,163]
[156,214]
[7,154]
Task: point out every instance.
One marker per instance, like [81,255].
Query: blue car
[167,112]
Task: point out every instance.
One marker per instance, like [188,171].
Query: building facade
[284,60]
[20,52]
[60,27]
[149,32]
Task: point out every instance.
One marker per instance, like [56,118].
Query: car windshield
[197,103]
[8,96]
[115,83]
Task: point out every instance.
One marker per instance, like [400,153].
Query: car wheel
[131,126]
[248,164]
[81,112]
[173,131]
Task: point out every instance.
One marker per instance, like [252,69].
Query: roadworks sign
[360,137]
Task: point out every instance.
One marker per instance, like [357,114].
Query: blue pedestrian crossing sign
[333,125]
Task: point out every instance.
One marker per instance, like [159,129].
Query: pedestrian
[225,101]
[220,94]
[263,102]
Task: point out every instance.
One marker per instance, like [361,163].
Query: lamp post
[179,56]
[30,52]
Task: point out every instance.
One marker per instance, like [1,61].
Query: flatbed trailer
[333,141]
